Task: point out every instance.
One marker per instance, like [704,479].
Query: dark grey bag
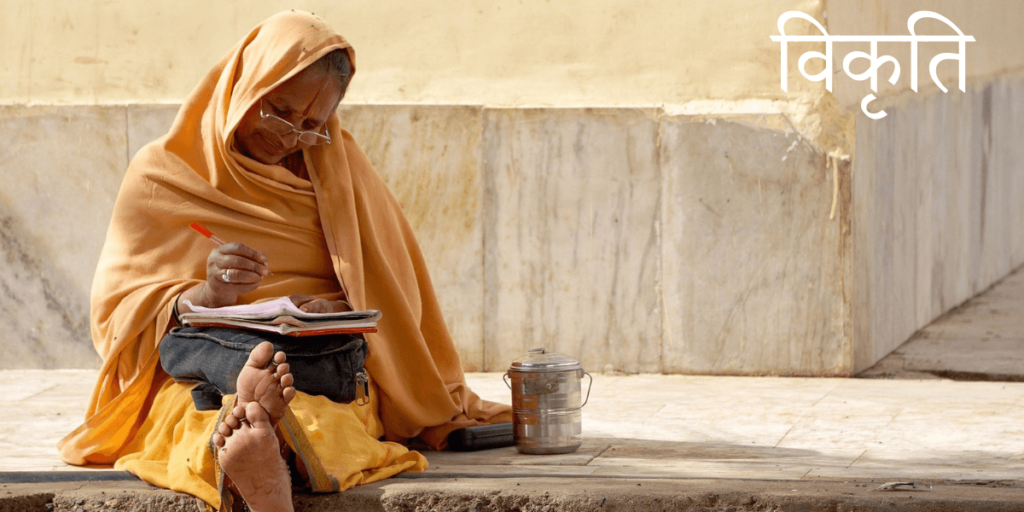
[212,357]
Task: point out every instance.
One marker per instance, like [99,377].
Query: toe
[231,422]
[287,380]
[283,369]
[287,394]
[225,430]
[280,358]
[260,356]
[218,440]
[257,415]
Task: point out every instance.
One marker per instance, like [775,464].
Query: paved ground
[677,427]
[657,442]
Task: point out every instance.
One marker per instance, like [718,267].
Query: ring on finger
[225,277]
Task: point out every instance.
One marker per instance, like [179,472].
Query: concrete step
[551,494]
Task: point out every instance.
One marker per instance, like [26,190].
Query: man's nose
[290,139]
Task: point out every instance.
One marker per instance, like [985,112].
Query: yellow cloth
[340,233]
[343,439]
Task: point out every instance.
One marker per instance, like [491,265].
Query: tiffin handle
[589,385]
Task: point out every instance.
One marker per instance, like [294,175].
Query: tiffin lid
[540,360]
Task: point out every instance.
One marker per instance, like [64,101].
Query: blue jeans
[212,357]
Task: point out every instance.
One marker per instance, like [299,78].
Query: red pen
[201,229]
[207,233]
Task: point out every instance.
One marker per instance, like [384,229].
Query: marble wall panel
[1011,126]
[753,272]
[571,237]
[146,123]
[630,241]
[906,224]
[60,169]
[430,157]
[948,185]
[937,208]
[1000,131]
[872,239]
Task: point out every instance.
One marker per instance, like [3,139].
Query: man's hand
[231,270]
[311,304]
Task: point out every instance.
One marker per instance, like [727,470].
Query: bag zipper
[362,387]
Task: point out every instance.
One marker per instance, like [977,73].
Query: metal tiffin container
[546,416]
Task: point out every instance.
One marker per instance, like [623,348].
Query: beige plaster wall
[995,24]
[530,52]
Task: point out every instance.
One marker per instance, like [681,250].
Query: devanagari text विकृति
[872,57]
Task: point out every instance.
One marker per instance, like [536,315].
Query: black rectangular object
[480,437]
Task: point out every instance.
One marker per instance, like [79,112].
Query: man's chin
[269,159]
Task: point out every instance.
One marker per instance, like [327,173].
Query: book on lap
[281,316]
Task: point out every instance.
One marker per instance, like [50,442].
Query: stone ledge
[551,494]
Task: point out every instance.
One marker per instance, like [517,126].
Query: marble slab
[37,409]
[1000,106]
[632,241]
[509,456]
[430,157]
[666,426]
[61,168]
[147,123]
[501,471]
[936,205]
[753,274]
[571,237]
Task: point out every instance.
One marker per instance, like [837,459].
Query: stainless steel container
[546,405]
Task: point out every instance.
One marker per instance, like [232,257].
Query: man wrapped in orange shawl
[331,231]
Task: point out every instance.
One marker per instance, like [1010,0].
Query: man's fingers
[238,276]
[240,263]
[238,266]
[323,306]
[240,249]
[312,304]
[316,306]
[298,299]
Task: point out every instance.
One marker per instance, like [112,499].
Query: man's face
[306,101]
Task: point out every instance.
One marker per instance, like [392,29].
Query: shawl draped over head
[343,221]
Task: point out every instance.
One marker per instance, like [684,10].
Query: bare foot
[270,386]
[251,459]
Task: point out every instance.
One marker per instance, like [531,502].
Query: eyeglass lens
[282,127]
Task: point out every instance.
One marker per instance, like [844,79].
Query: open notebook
[281,316]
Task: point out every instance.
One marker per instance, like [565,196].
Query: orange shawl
[194,174]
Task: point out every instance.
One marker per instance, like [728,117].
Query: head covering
[343,220]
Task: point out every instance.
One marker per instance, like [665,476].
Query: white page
[282,306]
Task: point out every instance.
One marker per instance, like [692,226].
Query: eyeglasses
[282,128]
